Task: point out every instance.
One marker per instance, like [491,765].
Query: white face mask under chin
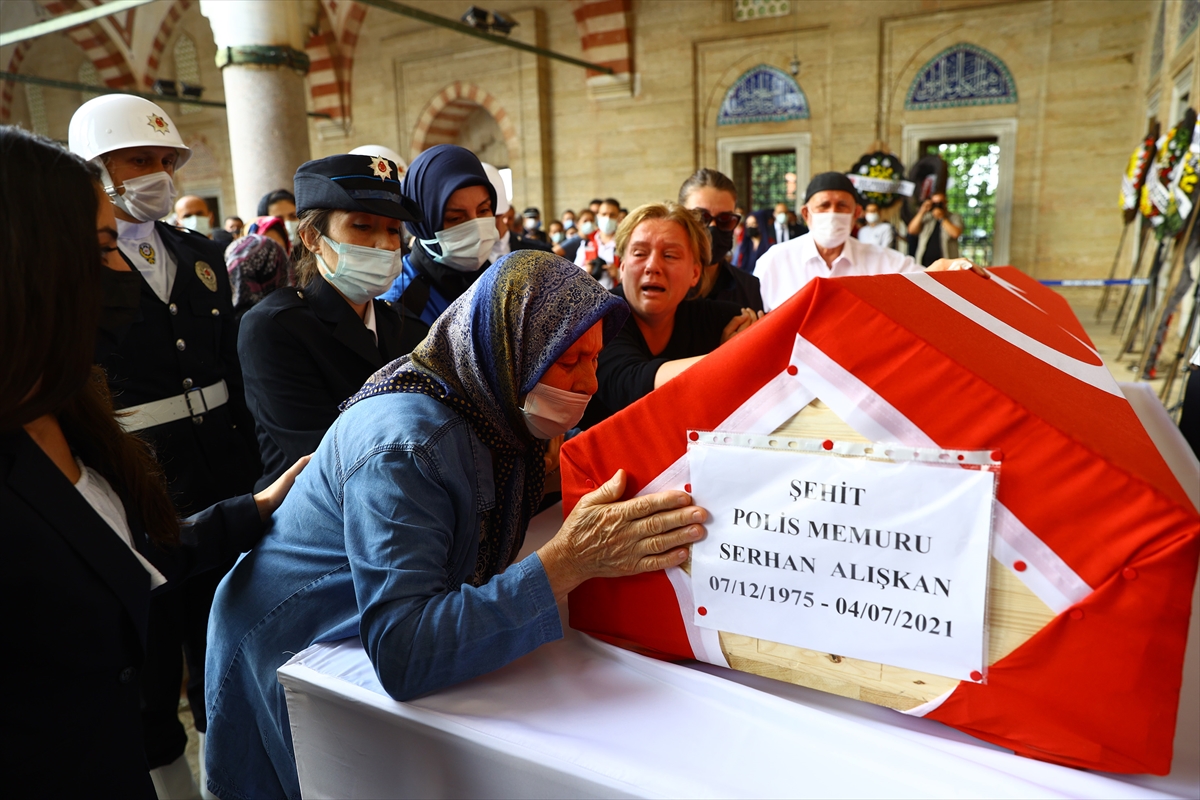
[830,230]
[147,197]
[466,246]
[551,412]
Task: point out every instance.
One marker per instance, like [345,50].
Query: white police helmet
[115,121]
[380,150]
[502,201]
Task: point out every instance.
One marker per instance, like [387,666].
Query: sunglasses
[725,221]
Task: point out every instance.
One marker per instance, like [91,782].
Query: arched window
[962,75]
[36,103]
[187,68]
[1156,45]
[763,94]
[1189,15]
[89,77]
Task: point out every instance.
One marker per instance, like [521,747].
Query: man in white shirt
[831,204]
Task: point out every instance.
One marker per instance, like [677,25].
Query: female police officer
[305,350]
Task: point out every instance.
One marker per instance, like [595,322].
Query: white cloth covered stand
[580,718]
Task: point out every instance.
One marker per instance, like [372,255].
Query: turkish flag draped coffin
[1089,516]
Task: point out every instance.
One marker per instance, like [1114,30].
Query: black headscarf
[432,177]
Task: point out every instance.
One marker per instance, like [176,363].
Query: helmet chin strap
[109,188]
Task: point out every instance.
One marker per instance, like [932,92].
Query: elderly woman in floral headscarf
[257,266]
[403,529]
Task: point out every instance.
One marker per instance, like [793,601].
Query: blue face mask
[361,272]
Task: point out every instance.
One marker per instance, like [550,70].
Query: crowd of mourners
[219,446]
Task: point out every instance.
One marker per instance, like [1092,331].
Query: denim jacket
[375,540]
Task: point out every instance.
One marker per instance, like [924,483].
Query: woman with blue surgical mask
[455,234]
[305,349]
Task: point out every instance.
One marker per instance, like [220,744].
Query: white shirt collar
[134,230]
[369,320]
[846,258]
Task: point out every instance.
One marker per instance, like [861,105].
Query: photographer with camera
[933,233]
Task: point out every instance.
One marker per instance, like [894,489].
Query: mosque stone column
[260,50]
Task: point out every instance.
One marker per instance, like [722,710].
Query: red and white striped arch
[97,45]
[9,87]
[165,31]
[442,120]
[606,33]
[331,54]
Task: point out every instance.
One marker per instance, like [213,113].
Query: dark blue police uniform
[172,349]
[303,353]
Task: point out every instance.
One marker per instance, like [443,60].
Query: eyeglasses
[725,221]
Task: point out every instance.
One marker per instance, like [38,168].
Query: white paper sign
[875,560]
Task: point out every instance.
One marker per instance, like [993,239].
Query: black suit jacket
[78,602]
[517,242]
[189,341]
[304,352]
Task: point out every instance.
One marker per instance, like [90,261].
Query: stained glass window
[187,69]
[763,94]
[1156,47]
[35,101]
[962,75]
[744,10]
[1189,15]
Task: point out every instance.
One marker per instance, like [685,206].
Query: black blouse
[627,367]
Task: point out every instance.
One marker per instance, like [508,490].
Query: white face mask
[781,218]
[466,246]
[551,412]
[587,228]
[532,224]
[147,197]
[608,225]
[556,236]
[362,272]
[197,223]
[293,230]
[872,218]
[830,230]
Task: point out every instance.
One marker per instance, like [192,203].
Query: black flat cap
[354,183]
[832,182]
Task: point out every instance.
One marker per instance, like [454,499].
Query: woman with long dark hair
[88,528]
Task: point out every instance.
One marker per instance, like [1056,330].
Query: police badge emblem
[158,124]
[206,275]
[382,168]
[146,251]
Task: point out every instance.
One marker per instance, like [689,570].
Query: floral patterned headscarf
[257,265]
[483,355]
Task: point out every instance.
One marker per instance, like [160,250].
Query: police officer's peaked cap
[354,183]
[832,182]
